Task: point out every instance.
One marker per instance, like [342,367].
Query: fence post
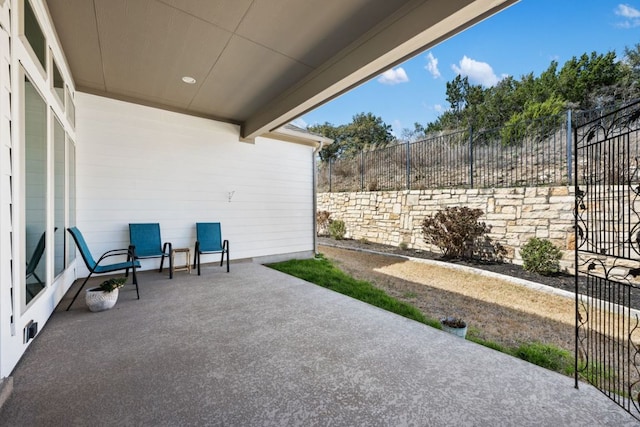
[569,149]
[471,156]
[408,165]
[362,170]
[330,163]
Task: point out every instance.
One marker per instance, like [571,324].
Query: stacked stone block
[514,214]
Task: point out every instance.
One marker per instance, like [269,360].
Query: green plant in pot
[105,296]
[455,326]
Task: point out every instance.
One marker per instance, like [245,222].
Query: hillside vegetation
[586,82]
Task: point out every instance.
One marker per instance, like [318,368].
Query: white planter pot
[459,332]
[98,300]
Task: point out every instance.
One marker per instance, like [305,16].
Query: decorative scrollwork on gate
[607,226]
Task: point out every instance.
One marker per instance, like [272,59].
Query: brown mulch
[560,281]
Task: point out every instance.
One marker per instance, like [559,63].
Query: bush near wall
[541,256]
[515,215]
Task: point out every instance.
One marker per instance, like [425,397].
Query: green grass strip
[323,273]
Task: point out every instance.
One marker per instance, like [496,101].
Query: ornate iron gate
[607,256]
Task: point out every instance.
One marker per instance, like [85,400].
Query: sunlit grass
[323,273]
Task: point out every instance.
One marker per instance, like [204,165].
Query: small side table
[187,254]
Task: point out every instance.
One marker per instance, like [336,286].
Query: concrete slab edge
[268,259]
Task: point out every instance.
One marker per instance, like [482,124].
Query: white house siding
[17,60]
[6,202]
[140,164]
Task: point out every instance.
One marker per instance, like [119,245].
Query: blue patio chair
[95,267]
[209,241]
[146,243]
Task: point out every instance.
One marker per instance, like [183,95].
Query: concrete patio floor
[256,347]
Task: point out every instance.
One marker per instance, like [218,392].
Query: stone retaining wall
[514,214]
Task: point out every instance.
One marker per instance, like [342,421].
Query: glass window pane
[71,247]
[59,193]
[35,134]
[58,82]
[34,34]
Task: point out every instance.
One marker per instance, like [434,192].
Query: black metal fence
[607,223]
[527,154]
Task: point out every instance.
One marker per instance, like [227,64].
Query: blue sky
[524,38]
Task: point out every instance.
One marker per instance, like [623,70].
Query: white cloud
[627,11]
[478,72]
[394,76]
[432,65]
[438,108]
[631,14]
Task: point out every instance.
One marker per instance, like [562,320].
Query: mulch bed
[562,281]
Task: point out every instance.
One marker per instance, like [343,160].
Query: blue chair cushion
[114,267]
[146,239]
[209,236]
[84,249]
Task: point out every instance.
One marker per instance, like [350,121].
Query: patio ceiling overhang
[256,63]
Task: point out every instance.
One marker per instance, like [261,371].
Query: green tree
[632,58]
[500,103]
[337,133]
[630,69]
[474,112]
[538,119]
[547,84]
[466,101]
[587,82]
[455,93]
[364,131]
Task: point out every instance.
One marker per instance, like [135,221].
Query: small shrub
[322,222]
[541,256]
[486,250]
[337,229]
[403,246]
[454,230]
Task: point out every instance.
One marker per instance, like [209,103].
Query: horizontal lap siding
[140,164]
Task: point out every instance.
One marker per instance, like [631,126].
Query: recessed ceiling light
[188,80]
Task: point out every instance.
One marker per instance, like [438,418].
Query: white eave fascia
[303,137]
